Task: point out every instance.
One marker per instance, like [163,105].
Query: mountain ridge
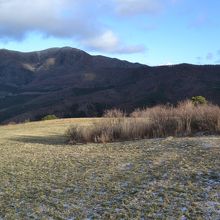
[69,82]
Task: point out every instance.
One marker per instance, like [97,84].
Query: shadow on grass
[47,140]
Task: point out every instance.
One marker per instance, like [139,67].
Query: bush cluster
[186,119]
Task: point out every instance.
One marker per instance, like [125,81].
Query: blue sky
[153,32]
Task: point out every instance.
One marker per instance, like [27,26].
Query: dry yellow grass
[42,177]
[49,127]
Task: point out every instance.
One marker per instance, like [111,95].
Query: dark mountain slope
[69,82]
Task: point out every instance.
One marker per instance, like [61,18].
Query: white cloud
[109,42]
[17,17]
[78,20]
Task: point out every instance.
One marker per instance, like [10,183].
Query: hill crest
[69,82]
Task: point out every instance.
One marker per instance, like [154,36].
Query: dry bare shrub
[114,113]
[160,121]
[140,113]
[185,119]
[109,130]
[184,113]
[206,119]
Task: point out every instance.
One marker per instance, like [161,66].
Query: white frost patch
[206,145]
[125,166]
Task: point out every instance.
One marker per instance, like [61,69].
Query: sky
[152,32]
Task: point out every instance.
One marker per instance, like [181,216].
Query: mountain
[71,83]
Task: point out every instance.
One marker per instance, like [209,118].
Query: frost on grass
[149,179]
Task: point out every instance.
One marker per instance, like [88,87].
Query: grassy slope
[41,177]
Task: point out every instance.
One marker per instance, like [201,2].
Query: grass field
[42,177]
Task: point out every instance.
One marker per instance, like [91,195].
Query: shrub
[199,100]
[114,113]
[108,130]
[140,113]
[49,117]
[160,121]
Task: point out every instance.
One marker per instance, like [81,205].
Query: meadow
[44,177]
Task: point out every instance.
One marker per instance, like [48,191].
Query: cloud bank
[77,20]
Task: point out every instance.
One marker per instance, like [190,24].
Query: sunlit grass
[42,177]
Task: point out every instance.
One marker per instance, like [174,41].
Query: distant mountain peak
[69,82]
